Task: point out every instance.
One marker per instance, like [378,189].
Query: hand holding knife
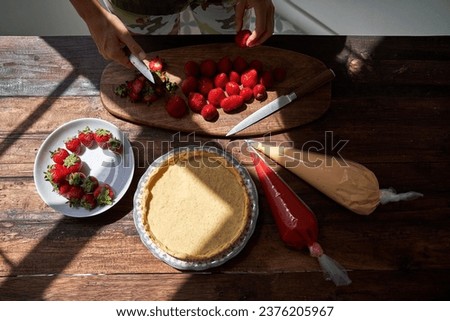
[142,68]
[311,85]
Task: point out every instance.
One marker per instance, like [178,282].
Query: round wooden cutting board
[299,68]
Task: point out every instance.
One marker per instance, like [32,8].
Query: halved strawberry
[102,136]
[86,137]
[232,88]
[209,112]
[260,93]
[196,102]
[220,80]
[156,64]
[247,94]
[249,78]
[59,155]
[73,144]
[215,96]
[231,103]
[104,194]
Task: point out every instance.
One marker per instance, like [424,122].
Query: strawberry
[89,184]
[150,96]
[279,74]
[156,64]
[209,112]
[72,164]
[224,65]
[257,65]
[137,85]
[63,189]
[59,155]
[220,80]
[104,194]
[55,174]
[102,136]
[247,94]
[215,96]
[249,78]
[208,68]
[191,68]
[260,93]
[205,85]
[176,106]
[232,88]
[235,76]
[188,85]
[241,38]
[88,201]
[86,137]
[240,64]
[196,102]
[73,144]
[266,79]
[115,145]
[76,178]
[74,195]
[232,103]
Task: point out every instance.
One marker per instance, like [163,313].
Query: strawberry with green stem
[102,136]
[104,194]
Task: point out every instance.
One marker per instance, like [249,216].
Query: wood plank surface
[388,111]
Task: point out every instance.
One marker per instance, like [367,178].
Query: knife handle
[315,83]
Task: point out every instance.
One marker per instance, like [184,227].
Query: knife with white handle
[142,68]
[311,85]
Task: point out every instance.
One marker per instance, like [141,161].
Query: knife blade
[280,102]
[142,68]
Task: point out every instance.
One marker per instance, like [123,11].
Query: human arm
[264,26]
[108,32]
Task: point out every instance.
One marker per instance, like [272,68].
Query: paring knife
[142,67]
[311,85]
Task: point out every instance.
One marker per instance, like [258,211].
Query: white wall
[343,17]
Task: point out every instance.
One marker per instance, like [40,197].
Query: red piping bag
[295,221]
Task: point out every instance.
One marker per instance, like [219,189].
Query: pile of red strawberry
[66,174]
[227,83]
[208,84]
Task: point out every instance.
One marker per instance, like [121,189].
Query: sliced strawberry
[59,155]
[102,136]
[176,106]
[220,80]
[215,96]
[73,144]
[232,103]
[209,112]
[242,37]
[235,76]
[156,64]
[196,102]
[104,194]
[86,137]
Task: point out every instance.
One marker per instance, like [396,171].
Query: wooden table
[390,102]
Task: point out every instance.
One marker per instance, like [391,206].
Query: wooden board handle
[318,81]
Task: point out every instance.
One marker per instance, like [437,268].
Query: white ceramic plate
[193,265]
[106,166]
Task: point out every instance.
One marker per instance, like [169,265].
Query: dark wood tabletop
[390,103]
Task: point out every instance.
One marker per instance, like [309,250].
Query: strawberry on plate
[55,174]
[104,194]
[102,136]
[88,201]
[73,144]
[59,155]
[76,178]
[86,137]
[72,164]
[90,184]
[115,145]
[74,195]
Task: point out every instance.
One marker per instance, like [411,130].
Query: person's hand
[108,32]
[264,25]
